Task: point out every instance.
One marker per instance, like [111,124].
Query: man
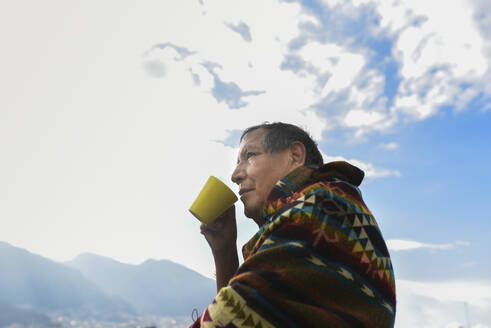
[318,259]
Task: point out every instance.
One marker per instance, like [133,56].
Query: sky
[114,114]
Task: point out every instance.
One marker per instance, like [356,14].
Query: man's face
[257,172]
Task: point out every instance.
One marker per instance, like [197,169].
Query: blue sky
[441,196]
[108,130]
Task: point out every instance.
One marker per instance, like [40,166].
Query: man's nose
[238,175]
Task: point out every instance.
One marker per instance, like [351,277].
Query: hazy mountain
[29,281]
[92,286]
[10,315]
[157,287]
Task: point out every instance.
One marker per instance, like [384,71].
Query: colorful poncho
[318,261]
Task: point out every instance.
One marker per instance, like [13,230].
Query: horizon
[100,256]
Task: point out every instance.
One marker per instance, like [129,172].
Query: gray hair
[279,136]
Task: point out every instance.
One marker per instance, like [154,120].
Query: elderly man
[318,259]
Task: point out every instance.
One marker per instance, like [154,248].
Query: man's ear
[298,153]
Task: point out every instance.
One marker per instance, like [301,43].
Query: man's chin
[254,215]
[248,213]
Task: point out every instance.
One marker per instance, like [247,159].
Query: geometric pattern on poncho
[319,260]
[230,310]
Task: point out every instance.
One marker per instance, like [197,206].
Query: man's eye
[250,154]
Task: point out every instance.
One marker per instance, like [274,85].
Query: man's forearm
[226,263]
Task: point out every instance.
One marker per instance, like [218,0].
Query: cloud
[443,304]
[405,245]
[441,62]
[342,65]
[130,146]
[229,92]
[389,146]
[359,117]
[403,62]
[242,29]
[349,82]
[154,67]
[348,92]
[182,51]
[136,108]
[371,172]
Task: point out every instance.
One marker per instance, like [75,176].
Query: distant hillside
[157,287]
[10,315]
[29,281]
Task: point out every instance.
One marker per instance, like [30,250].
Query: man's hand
[222,233]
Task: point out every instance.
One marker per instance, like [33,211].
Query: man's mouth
[243,191]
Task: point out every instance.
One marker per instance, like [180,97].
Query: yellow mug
[214,199]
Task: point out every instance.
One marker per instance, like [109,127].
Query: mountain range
[32,288]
